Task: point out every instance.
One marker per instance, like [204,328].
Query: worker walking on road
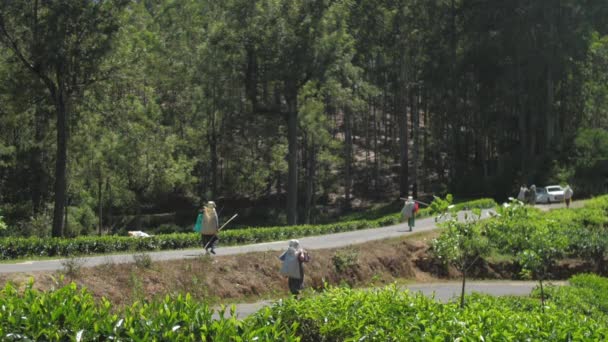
[409,212]
[209,227]
[568,195]
[292,267]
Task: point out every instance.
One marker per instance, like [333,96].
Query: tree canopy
[113,111]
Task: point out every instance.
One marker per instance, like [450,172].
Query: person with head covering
[521,196]
[209,227]
[532,194]
[568,195]
[409,212]
[292,267]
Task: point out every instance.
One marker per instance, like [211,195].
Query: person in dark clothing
[532,195]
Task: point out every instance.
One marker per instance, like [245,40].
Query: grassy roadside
[241,278]
[23,248]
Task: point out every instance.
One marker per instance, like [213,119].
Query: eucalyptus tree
[62,44]
[294,42]
[595,88]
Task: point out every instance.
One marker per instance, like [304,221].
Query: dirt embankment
[256,275]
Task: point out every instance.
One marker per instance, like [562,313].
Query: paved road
[311,242]
[441,291]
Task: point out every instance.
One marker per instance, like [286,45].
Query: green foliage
[586,295]
[544,247]
[441,206]
[72,266]
[15,248]
[38,225]
[512,227]
[3,225]
[142,260]
[72,314]
[588,233]
[345,259]
[539,239]
[573,313]
[461,243]
[174,102]
[595,88]
[591,161]
[390,314]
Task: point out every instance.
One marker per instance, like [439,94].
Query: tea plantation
[16,248]
[572,313]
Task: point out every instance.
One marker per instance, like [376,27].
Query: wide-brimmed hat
[210,204]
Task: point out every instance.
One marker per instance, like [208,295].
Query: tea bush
[393,315]
[15,248]
[578,233]
[572,313]
[70,314]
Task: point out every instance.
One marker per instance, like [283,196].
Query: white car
[550,194]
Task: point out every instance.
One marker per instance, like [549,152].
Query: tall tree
[61,43]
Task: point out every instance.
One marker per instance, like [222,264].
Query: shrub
[345,259]
[14,248]
[391,314]
[142,260]
[71,314]
[72,266]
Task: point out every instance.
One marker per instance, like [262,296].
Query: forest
[119,113]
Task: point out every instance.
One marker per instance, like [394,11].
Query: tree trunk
[376,169]
[416,130]
[523,131]
[212,139]
[109,222]
[292,157]
[99,201]
[348,153]
[542,296]
[425,151]
[310,182]
[464,280]
[66,228]
[550,122]
[403,146]
[61,163]
[39,180]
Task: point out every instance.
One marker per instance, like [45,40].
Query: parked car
[541,195]
[556,193]
[549,194]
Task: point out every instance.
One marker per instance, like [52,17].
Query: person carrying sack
[568,195]
[409,212]
[292,267]
[210,227]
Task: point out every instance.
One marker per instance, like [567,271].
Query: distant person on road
[409,212]
[532,195]
[568,195]
[292,267]
[209,227]
[521,196]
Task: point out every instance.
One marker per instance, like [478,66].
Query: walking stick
[405,199]
[222,227]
